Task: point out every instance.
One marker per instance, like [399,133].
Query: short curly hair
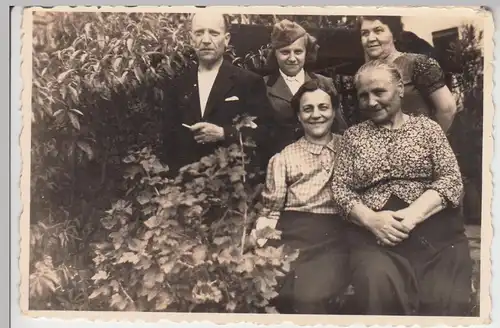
[394,23]
[312,49]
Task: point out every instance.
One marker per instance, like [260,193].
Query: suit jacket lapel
[192,110]
[309,76]
[278,88]
[222,84]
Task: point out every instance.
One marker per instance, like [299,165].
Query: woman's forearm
[428,204]
[360,214]
[446,107]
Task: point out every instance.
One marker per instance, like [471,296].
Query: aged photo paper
[310,165]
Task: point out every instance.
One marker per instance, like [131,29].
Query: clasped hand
[261,224]
[207,132]
[392,227]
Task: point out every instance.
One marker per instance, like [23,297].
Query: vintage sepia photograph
[274,161]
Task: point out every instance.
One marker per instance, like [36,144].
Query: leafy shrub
[183,244]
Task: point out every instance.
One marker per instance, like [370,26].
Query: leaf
[199,254]
[128,257]
[246,266]
[88,29]
[86,148]
[143,199]
[231,306]
[151,34]
[59,111]
[116,63]
[74,120]
[101,290]
[101,275]
[221,240]
[138,73]
[168,266]
[136,245]
[144,263]
[118,301]
[129,159]
[83,58]
[63,91]
[74,93]
[152,294]
[163,301]
[48,283]
[76,53]
[76,111]
[132,171]
[150,278]
[63,75]
[114,285]
[153,222]
[130,43]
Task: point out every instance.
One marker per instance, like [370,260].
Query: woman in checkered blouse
[298,202]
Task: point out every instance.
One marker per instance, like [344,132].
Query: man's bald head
[209,36]
[221,19]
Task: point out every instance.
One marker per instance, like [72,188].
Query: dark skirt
[427,274]
[321,272]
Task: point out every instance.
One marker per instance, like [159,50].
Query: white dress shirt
[294,82]
[206,79]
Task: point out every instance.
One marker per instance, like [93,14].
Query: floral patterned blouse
[298,179]
[374,163]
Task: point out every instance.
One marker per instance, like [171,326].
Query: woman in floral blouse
[298,202]
[424,85]
[397,180]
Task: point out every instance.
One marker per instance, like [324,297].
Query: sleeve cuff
[447,198]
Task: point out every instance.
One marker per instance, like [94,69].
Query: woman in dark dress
[293,50]
[424,82]
[397,180]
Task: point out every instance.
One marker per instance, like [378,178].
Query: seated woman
[397,180]
[425,91]
[297,189]
[293,51]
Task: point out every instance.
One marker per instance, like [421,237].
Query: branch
[245,214]
[126,294]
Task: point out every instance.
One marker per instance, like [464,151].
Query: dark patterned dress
[428,273]
[422,76]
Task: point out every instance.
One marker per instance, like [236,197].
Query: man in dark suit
[202,102]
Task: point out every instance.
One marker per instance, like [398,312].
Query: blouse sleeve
[447,177]
[275,188]
[427,75]
[343,179]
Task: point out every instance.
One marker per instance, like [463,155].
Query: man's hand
[387,229]
[207,132]
[261,224]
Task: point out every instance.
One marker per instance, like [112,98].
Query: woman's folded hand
[262,223]
[408,217]
[387,228]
